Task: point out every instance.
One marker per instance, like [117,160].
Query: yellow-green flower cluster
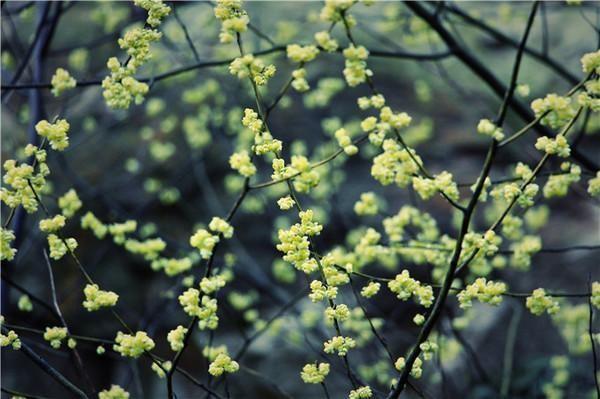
[161,369]
[375,101]
[416,370]
[157,10]
[299,82]
[558,185]
[487,243]
[394,165]
[340,345]
[427,188]
[255,68]
[591,62]
[6,238]
[149,249]
[405,287]
[12,339]
[175,338]
[204,309]
[370,289]
[325,41]
[90,221]
[313,373]
[332,11]
[241,162]
[419,319]
[488,128]
[301,54]
[367,205]
[18,178]
[172,266]
[56,133]
[361,393]
[295,244]
[523,251]
[428,348]
[539,302]
[62,81]
[344,141]
[51,225]
[263,140]
[356,71]
[286,203]
[24,304]
[304,176]
[339,312]
[596,294]
[594,185]
[511,191]
[557,110]
[320,291]
[55,335]
[133,345]
[233,19]
[69,203]
[223,364]
[208,285]
[119,230]
[115,392]
[559,145]
[204,241]
[482,290]
[57,246]
[95,298]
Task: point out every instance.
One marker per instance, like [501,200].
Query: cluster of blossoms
[356,71]
[59,247]
[344,141]
[205,241]
[133,345]
[95,298]
[523,250]
[314,373]
[488,128]
[361,393]
[557,146]
[339,312]
[443,183]
[90,221]
[175,338]
[255,68]
[69,203]
[299,82]
[487,243]
[55,335]
[376,101]
[62,81]
[482,290]
[555,111]
[305,177]
[52,225]
[119,230]
[114,392]
[223,364]
[56,133]
[149,249]
[416,370]
[233,19]
[241,162]
[558,185]
[294,242]
[394,165]
[24,304]
[428,348]
[325,41]
[301,54]
[539,302]
[121,87]
[590,62]
[263,140]
[512,192]
[320,291]
[405,287]
[204,309]
[370,289]
[367,205]
[340,345]
[6,238]
[161,368]
[11,338]
[285,203]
